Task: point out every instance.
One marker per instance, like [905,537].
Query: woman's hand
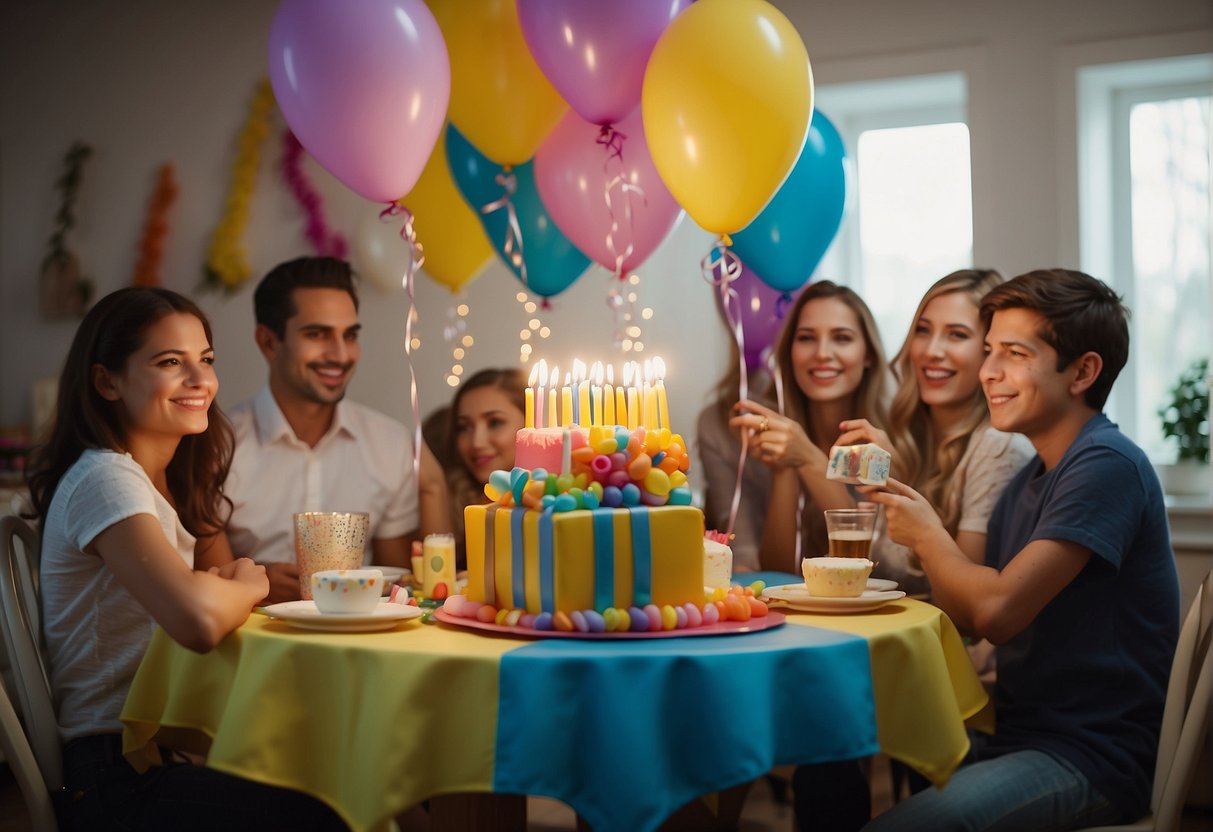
[861,431]
[776,440]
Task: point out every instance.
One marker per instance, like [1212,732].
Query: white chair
[1185,719]
[34,753]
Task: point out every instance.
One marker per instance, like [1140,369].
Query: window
[1144,211]
[910,204]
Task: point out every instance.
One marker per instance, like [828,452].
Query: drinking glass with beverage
[850,531]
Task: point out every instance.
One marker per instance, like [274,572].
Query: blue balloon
[552,262]
[784,243]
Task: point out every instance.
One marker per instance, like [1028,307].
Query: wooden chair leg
[478,812]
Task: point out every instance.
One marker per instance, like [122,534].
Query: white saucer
[881,584]
[797,597]
[391,575]
[303,614]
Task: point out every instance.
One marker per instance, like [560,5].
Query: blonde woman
[940,425]
[832,369]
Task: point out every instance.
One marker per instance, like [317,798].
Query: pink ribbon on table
[721,268]
[513,232]
[416,259]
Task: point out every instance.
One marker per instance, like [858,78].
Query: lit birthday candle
[630,373]
[566,401]
[530,397]
[596,393]
[608,401]
[649,407]
[552,379]
[663,403]
[541,373]
[582,411]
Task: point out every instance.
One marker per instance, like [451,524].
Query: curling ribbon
[513,233]
[612,141]
[773,368]
[721,267]
[416,260]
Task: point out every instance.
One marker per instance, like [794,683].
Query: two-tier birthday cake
[593,528]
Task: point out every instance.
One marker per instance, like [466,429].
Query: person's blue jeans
[1018,791]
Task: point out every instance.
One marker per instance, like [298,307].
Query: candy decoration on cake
[859,464]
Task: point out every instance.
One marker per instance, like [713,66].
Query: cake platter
[721,628]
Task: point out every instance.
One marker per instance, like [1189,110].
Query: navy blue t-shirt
[1086,680]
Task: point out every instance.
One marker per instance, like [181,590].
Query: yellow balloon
[727,98]
[455,246]
[500,100]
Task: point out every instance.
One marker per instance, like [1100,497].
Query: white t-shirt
[363,463]
[96,632]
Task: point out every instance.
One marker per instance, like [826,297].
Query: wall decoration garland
[324,242]
[155,229]
[63,292]
[227,260]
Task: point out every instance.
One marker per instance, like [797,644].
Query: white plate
[881,584]
[797,597]
[303,614]
[391,575]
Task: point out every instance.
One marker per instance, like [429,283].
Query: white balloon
[377,252]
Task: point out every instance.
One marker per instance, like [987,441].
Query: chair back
[1185,717]
[20,757]
[20,617]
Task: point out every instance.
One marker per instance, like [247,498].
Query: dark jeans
[103,792]
[831,797]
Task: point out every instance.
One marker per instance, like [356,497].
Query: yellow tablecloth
[373,723]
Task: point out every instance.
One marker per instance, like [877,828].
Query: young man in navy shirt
[1078,591]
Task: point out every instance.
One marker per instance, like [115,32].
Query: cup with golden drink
[850,531]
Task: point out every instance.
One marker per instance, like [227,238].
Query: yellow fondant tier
[581,560]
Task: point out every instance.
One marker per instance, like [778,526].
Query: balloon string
[416,259]
[721,268]
[623,310]
[777,380]
[513,232]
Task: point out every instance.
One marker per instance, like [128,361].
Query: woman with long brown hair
[130,479]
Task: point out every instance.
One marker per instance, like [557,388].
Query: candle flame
[555,377]
[534,375]
[610,374]
[596,373]
[628,369]
[543,371]
[578,370]
[658,368]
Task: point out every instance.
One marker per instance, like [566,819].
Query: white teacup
[347,590]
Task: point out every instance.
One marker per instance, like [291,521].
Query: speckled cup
[327,540]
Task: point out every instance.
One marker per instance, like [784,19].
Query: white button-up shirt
[363,463]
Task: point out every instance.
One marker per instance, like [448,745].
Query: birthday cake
[594,527]
[859,464]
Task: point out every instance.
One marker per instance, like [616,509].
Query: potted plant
[1185,418]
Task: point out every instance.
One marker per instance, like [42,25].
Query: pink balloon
[572,171]
[364,86]
[593,51]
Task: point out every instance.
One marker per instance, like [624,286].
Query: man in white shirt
[299,446]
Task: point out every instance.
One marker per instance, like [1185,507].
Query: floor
[763,811]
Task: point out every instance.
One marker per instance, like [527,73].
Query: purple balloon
[760,316]
[364,86]
[594,52]
[572,171]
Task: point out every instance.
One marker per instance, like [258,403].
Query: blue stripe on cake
[518,558]
[604,559]
[490,551]
[642,557]
[547,580]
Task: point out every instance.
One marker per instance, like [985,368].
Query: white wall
[147,82]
